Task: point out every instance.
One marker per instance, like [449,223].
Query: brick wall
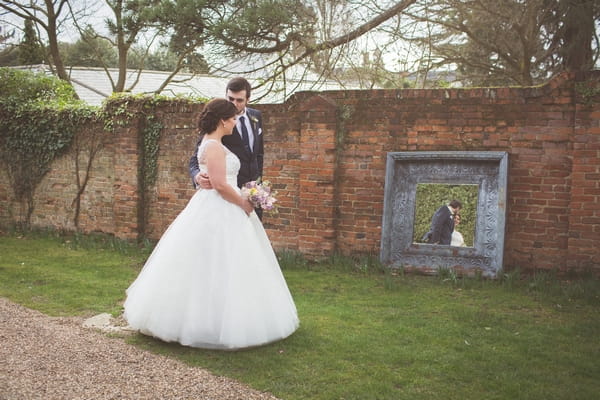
[326,153]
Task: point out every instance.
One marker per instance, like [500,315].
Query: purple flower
[260,194]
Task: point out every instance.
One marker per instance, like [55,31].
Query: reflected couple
[440,222]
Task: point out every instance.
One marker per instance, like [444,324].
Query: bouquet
[260,194]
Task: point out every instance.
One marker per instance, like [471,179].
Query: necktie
[245,137]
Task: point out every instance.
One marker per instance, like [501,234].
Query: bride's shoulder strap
[207,145]
[213,145]
[206,140]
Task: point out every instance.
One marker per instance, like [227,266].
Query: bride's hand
[247,206]
[203,181]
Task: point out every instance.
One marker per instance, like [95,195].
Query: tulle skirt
[212,281]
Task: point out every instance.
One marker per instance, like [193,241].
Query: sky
[97,11]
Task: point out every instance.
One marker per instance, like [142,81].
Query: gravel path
[51,358]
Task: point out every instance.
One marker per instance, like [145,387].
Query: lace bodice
[232,163]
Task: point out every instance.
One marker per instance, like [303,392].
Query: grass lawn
[364,334]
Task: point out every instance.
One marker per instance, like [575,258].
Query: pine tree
[30,50]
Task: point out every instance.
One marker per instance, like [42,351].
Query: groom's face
[238,99]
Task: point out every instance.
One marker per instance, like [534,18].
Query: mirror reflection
[445,214]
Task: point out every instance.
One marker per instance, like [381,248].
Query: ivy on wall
[39,116]
[150,138]
[85,149]
[588,91]
[41,119]
[148,166]
[343,114]
[126,110]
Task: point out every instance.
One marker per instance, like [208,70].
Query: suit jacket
[442,225]
[251,164]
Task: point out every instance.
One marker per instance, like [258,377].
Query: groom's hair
[238,84]
[455,204]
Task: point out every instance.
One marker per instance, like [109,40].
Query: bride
[213,280]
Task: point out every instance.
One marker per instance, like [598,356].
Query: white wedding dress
[213,280]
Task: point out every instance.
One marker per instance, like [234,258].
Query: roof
[93,84]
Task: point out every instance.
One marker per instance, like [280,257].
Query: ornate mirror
[418,184]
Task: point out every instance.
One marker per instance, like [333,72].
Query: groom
[246,142]
[442,223]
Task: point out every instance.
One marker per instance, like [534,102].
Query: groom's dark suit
[442,225]
[251,163]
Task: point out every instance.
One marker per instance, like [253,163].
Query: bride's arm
[215,163]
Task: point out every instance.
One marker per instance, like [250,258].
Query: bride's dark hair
[214,112]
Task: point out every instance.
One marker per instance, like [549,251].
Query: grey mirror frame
[404,170]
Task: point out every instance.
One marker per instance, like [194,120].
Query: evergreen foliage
[30,49]
[90,51]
